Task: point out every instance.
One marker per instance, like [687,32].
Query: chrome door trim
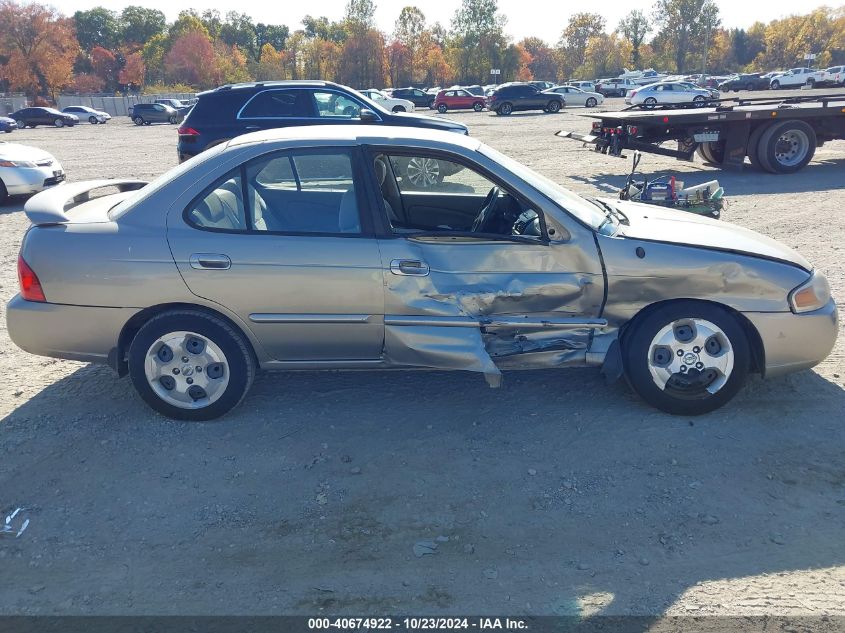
[536,323]
[272,317]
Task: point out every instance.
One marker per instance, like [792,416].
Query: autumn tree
[686,27]
[270,65]
[192,60]
[362,59]
[543,64]
[572,46]
[153,54]
[133,72]
[86,83]
[105,65]
[37,48]
[635,27]
[477,37]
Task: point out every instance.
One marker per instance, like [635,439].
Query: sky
[541,18]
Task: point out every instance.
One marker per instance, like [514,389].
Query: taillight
[633,92]
[30,286]
[187,131]
[596,125]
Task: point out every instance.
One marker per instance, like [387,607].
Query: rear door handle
[252,128]
[409,267]
[210,261]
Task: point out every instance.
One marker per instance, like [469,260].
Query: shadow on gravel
[13,204]
[554,495]
[819,175]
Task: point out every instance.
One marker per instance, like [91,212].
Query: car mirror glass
[368,115]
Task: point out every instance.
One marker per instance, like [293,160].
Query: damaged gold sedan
[360,247]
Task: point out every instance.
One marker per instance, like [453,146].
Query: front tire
[786,147]
[650,103]
[686,357]
[92,120]
[21,124]
[591,102]
[478,106]
[442,108]
[505,109]
[4,194]
[173,120]
[553,107]
[190,365]
[775,85]
[399,109]
[699,102]
[138,120]
[59,123]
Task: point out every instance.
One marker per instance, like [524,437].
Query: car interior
[455,200]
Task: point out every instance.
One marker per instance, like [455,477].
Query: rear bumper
[795,341]
[80,333]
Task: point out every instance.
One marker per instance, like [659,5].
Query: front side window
[433,195]
[335,105]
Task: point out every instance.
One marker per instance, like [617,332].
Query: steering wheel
[487,212]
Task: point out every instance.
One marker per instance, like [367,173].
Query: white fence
[117,106]
[11,103]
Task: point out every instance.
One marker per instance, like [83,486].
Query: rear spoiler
[49,206]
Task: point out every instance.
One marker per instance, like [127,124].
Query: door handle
[409,267]
[210,261]
[252,128]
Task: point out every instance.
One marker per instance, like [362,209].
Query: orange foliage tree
[105,65]
[39,48]
[133,71]
[192,60]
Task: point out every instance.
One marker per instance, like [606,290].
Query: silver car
[670,93]
[308,248]
[577,97]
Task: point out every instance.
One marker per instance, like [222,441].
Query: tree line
[43,52]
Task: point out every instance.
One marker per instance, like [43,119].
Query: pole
[706,48]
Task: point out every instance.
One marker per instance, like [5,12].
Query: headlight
[16,163]
[811,295]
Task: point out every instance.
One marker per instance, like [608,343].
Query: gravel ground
[554,495]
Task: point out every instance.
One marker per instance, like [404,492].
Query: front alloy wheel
[59,123]
[424,173]
[686,357]
[190,365]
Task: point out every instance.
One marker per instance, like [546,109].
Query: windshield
[582,209]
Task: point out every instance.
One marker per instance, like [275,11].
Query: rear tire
[713,153]
[138,120]
[786,147]
[591,103]
[662,343]
[650,103]
[775,85]
[442,108]
[753,147]
[506,109]
[204,337]
[478,106]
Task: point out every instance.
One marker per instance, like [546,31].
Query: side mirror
[368,116]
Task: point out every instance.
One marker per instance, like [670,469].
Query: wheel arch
[118,356]
[755,342]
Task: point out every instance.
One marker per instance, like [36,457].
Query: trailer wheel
[713,153]
[786,147]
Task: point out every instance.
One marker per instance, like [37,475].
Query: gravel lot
[554,495]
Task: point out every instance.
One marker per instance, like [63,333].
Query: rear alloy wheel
[399,109]
[190,365]
[59,123]
[786,147]
[442,108]
[478,106]
[505,109]
[591,103]
[92,120]
[424,173]
[650,103]
[686,357]
[138,120]
[553,107]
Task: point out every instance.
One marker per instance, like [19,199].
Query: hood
[431,122]
[649,222]
[16,151]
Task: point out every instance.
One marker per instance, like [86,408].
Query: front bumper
[87,334]
[22,181]
[792,342]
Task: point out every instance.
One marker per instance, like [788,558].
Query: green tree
[275,35]
[573,40]
[322,28]
[687,27]
[139,24]
[238,30]
[635,27]
[187,21]
[97,27]
[477,39]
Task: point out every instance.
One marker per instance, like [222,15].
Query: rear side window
[221,206]
[219,106]
[272,104]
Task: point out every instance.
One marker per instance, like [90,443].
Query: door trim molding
[534,323]
[273,317]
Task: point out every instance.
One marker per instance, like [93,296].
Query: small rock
[644,561]
[694,484]
[423,548]
[37,588]
[777,539]
[346,459]
[355,470]
[442,539]
[322,498]
[532,471]
[18,394]
[708,519]
[491,574]
[469,548]
[405,583]
[583,566]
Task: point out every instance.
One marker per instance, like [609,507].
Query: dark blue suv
[230,111]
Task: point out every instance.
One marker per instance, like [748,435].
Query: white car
[578,97]
[25,170]
[668,93]
[389,103]
[586,86]
[797,77]
[834,76]
[84,113]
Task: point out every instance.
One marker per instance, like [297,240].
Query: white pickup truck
[834,76]
[797,77]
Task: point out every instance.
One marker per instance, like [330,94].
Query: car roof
[304,83]
[371,134]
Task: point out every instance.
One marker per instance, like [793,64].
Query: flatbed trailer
[779,135]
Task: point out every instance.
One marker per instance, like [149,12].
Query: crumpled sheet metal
[15,523]
[441,348]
